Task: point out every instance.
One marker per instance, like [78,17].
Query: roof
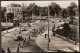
[15,19]
[14,5]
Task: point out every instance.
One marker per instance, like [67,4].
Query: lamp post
[32,16]
[6,22]
[22,11]
[48,30]
[22,19]
[40,18]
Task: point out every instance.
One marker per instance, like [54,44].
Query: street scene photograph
[39,26]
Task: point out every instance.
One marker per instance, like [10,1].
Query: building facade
[16,9]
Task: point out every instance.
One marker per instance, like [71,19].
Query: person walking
[40,31]
[53,30]
[3,51]
[29,38]
[19,43]
[24,41]
[8,50]
[18,50]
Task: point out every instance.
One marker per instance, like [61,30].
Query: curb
[42,50]
[64,38]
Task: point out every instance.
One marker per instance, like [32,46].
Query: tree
[73,4]
[10,16]
[64,13]
[54,9]
[71,11]
[44,11]
[31,9]
[66,29]
[2,16]
[3,10]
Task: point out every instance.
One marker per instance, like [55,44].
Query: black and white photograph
[40,26]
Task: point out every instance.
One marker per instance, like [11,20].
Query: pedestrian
[43,28]
[23,42]
[20,32]
[20,27]
[8,50]
[39,31]
[19,43]
[29,25]
[18,49]
[29,37]
[49,40]
[31,34]
[36,31]
[45,35]
[28,42]
[53,30]
[3,51]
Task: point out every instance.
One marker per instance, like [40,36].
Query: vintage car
[16,22]
[18,37]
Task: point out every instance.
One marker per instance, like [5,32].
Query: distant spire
[23,4]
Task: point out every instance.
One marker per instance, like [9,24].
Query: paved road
[8,39]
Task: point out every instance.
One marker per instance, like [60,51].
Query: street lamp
[40,18]
[22,14]
[32,16]
[48,29]
[6,21]
[22,9]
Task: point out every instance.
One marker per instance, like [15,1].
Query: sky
[63,4]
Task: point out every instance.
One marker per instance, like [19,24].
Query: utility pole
[40,17]
[6,23]
[22,12]
[32,15]
[22,19]
[55,19]
[48,29]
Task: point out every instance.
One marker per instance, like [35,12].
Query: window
[13,10]
[17,10]
[17,13]
[9,9]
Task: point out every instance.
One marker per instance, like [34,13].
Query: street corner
[41,41]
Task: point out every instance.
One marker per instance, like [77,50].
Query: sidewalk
[8,24]
[55,44]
